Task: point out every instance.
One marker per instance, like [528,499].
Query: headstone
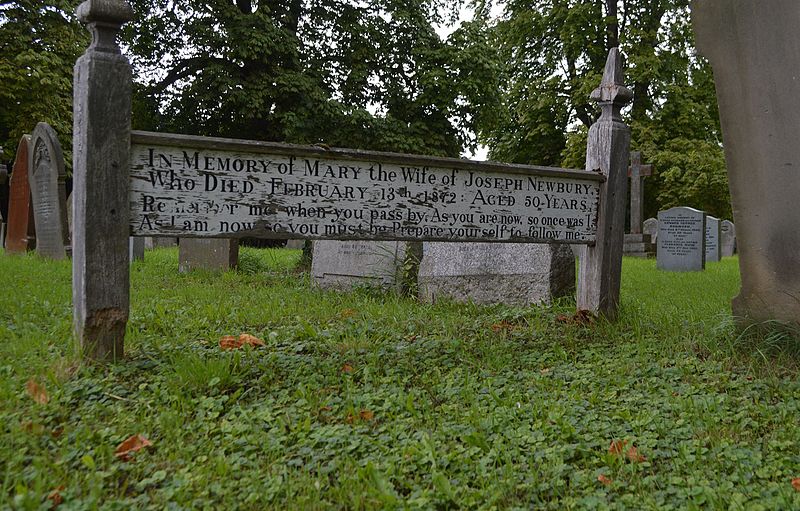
[681,239]
[47,179]
[136,247]
[21,231]
[650,227]
[3,195]
[343,265]
[153,243]
[727,238]
[295,244]
[637,243]
[712,239]
[207,254]
[487,273]
[754,51]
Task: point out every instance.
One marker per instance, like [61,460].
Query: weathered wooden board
[208,187]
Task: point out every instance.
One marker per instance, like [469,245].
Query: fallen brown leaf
[37,392]
[347,368]
[55,497]
[605,480]
[131,445]
[633,454]
[581,317]
[617,447]
[347,313]
[367,415]
[252,340]
[796,483]
[503,326]
[229,342]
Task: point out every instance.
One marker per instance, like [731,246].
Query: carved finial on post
[607,151]
[104,19]
[101,140]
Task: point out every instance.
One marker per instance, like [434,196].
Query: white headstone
[651,228]
[712,239]
[681,239]
[48,193]
[727,238]
[486,273]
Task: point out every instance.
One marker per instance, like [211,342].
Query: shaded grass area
[364,400]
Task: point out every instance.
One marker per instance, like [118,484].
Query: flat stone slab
[487,273]
[343,265]
[207,254]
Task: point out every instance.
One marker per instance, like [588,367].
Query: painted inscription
[235,192]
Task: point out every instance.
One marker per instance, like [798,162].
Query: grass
[363,400]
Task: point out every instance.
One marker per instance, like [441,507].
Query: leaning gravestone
[727,238]
[47,179]
[650,227]
[754,51]
[681,239]
[487,273]
[343,265]
[207,254]
[712,239]
[21,231]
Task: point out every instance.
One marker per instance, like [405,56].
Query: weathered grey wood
[637,172]
[102,110]
[47,180]
[265,190]
[608,150]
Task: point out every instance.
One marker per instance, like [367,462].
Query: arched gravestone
[48,193]
[754,51]
[20,233]
[727,238]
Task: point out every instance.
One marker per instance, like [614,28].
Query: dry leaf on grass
[582,317]
[347,313]
[796,483]
[605,480]
[363,415]
[37,392]
[617,447]
[633,455]
[55,497]
[347,368]
[231,342]
[503,326]
[131,445]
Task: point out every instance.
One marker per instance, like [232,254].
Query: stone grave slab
[136,246]
[754,51]
[712,239]
[207,254]
[47,179]
[295,244]
[727,238]
[343,265]
[486,273]
[650,226]
[681,239]
[21,230]
[3,199]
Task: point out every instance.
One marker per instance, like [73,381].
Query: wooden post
[101,143]
[607,151]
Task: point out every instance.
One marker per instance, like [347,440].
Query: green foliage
[370,401]
[39,43]
[312,72]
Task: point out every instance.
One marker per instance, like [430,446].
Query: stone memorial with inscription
[638,243]
[650,226]
[47,179]
[712,239]
[509,273]
[681,239]
[754,51]
[21,230]
[727,238]
[343,265]
[207,254]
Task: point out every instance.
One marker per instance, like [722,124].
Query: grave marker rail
[189,186]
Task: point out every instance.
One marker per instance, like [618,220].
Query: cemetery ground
[364,400]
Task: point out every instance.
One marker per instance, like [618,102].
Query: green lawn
[365,400]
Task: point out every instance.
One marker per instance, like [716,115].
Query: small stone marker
[754,50]
[3,197]
[136,249]
[712,239]
[295,244]
[207,254]
[727,238]
[21,230]
[47,179]
[487,273]
[681,239]
[343,265]
[650,227]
